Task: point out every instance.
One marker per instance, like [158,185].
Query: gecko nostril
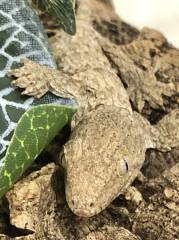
[91,204]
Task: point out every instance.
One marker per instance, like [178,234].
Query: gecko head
[101,159]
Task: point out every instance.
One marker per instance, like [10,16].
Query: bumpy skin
[108,143]
[101,155]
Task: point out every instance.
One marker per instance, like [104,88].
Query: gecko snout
[82,207]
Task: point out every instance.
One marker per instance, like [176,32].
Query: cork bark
[36,208]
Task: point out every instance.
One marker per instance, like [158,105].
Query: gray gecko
[108,141]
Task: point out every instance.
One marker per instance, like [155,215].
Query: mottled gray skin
[108,143]
[101,158]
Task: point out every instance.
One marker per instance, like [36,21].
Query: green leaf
[63,10]
[35,130]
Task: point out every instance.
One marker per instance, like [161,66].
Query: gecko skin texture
[108,142]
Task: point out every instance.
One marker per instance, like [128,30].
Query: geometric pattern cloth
[21,36]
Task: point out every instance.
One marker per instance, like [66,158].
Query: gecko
[107,146]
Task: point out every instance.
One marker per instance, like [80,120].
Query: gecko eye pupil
[126,165]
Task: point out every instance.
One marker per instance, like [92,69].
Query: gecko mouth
[84,210]
[83,207]
[85,202]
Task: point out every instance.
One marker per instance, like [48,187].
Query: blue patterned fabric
[21,35]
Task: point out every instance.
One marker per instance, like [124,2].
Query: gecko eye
[124,166]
